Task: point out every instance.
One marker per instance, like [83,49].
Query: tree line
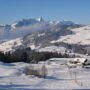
[29,56]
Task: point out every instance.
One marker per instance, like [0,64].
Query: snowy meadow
[59,76]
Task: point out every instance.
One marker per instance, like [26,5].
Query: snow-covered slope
[10,45]
[53,49]
[38,34]
[80,36]
[12,76]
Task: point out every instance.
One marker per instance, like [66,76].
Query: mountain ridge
[41,34]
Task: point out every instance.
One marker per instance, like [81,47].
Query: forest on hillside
[30,56]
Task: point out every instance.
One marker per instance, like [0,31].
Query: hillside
[34,33]
[41,35]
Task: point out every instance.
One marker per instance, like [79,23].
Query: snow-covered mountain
[21,23]
[45,35]
[26,22]
[59,38]
[27,26]
[80,36]
[21,28]
[66,22]
[32,21]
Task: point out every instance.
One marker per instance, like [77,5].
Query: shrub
[39,72]
[43,71]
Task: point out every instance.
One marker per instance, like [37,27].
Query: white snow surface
[53,49]
[39,35]
[8,45]
[81,36]
[59,77]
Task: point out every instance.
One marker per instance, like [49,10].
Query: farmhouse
[77,62]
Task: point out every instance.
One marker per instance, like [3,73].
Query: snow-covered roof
[82,60]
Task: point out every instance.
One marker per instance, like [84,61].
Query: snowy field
[59,77]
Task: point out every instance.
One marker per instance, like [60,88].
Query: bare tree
[44,71]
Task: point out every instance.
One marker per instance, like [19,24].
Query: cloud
[21,31]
